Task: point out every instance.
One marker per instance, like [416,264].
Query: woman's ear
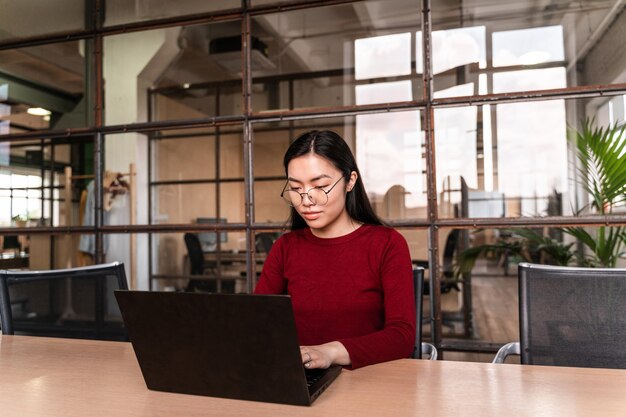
[352,181]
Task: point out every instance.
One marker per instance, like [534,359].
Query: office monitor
[208,240]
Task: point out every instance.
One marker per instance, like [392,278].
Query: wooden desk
[64,377]
[14,260]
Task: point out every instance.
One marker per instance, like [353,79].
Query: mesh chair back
[76,302]
[572,316]
[452,243]
[264,242]
[194,251]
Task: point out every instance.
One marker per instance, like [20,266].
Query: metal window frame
[96,31]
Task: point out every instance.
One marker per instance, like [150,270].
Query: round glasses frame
[319,197]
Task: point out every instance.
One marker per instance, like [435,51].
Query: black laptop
[221,345]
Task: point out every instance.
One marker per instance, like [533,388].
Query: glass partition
[178,265]
[516,46]
[197,173]
[518,159]
[185,72]
[332,56]
[119,12]
[483,305]
[20,19]
[38,251]
[41,181]
[44,87]
[388,148]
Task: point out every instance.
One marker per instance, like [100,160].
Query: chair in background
[75,302]
[198,266]
[448,283]
[570,316]
[464,315]
[421,349]
[264,241]
[11,242]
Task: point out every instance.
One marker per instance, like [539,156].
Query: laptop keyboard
[314,375]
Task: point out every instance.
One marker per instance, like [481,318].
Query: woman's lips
[312,215]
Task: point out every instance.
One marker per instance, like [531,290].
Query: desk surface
[12,260]
[63,377]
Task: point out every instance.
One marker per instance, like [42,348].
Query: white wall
[131,63]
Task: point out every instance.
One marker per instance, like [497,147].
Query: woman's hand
[323,356]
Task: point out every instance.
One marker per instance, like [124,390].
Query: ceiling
[304,41]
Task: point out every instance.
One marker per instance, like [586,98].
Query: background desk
[65,377]
[12,260]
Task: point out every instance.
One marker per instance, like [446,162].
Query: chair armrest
[512,348]
[429,350]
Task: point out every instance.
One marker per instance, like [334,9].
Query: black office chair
[421,349]
[448,283]
[11,242]
[570,316]
[198,266]
[75,302]
[264,241]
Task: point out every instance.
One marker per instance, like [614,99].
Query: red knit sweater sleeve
[397,338]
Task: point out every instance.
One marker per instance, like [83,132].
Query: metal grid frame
[96,31]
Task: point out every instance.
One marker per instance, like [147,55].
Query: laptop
[236,346]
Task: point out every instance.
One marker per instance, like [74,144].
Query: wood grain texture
[63,377]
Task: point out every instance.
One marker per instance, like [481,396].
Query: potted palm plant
[601,153]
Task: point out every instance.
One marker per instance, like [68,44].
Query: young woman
[349,276]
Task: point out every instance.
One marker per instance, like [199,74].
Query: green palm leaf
[602,156]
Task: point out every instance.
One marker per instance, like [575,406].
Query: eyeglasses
[317,196]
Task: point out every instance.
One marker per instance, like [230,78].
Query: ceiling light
[38,111]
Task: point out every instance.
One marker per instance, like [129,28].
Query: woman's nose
[306,200]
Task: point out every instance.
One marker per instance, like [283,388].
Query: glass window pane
[389,152]
[184,203]
[532,177]
[318,57]
[25,18]
[382,56]
[270,140]
[528,46]
[482,303]
[119,12]
[185,72]
[515,159]
[45,87]
[491,277]
[37,251]
[515,46]
[268,206]
[185,158]
[191,154]
[538,79]
[454,48]
[172,263]
[21,180]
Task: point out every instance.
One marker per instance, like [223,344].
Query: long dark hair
[331,146]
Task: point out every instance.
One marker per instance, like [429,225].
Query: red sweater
[356,289]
